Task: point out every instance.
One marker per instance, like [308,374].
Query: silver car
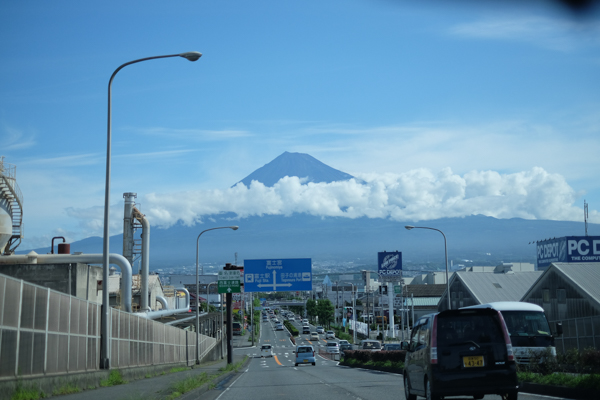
[266,350]
[333,348]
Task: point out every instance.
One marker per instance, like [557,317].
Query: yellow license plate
[473,361]
[304,360]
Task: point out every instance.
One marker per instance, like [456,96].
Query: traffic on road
[307,367]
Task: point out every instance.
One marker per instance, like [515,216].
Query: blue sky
[441,108]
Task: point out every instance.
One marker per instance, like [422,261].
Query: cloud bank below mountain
[416,195]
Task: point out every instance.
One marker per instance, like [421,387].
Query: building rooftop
[490,287]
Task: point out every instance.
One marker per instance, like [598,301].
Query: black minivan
[460,353]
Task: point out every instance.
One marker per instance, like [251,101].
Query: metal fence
[45,332]
[578,333]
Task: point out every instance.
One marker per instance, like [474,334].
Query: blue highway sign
[278,275]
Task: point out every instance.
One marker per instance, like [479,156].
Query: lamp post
[409,227]
[105,342]
[198,289]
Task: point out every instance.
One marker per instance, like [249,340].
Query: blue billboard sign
[568,249]
[278,275]
[389,264]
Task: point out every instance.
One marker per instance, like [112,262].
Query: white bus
[528,328]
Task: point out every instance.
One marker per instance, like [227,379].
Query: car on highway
[266,350]
[306,329]
[305,321]
[314,336]
[344,347]
[279,327]
[305,355]
[333,347]
[291,318]
[343,341]
[391,347]
[465,352]
[369,344]
[330,335]
[320,329]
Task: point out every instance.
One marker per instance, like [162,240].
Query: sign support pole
[228,301]
[391,295]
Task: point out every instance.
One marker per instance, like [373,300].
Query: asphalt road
[278,378]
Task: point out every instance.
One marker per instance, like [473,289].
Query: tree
[298,310]
[325,311]
[311,308]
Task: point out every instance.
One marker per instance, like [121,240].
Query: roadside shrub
[362,356]
[293,330]
[572,361]
[590,359]
[393,356]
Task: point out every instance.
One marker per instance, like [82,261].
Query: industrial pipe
[165,313]
[117,259]
[162,301]
[145,258]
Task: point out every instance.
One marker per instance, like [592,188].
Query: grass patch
[188,384]
[591,381]
[67,389]
[27,394]
[178,369]
[234,367]
[181,387]
[114,378]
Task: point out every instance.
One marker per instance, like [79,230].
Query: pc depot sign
[389,265]
[568,249]
[229,281]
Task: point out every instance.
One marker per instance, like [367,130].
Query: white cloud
[415,195]
[550,33]
[193,134]
[16,139]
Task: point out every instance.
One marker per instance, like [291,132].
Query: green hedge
[365,356]
[291,328]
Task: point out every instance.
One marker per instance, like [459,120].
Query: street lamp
[409,227]
[235,228]
[105,342]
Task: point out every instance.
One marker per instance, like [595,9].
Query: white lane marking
[233,383]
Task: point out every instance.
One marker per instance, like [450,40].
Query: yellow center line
[277,360]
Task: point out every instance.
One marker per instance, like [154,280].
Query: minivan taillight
[433,356]
[509,349]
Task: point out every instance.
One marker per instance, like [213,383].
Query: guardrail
[331,356]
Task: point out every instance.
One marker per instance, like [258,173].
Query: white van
[528,328]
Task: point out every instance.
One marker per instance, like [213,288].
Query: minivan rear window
[304,350]
[469,328]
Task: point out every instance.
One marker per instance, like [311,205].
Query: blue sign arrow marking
[278,275]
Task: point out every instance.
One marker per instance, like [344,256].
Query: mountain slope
[485,240]
[295,164]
